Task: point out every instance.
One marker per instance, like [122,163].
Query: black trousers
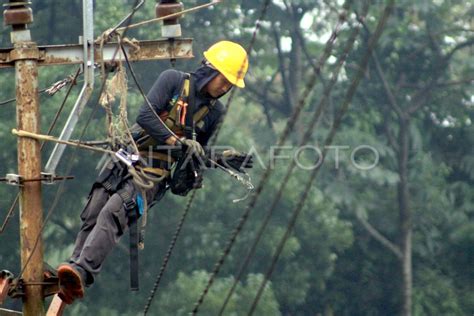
[104,220]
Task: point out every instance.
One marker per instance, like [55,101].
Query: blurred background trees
[385,241]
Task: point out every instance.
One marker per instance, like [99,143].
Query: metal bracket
[30,51]
[46,178]
[49,178]
[13,179]
[51,280]
[15,288]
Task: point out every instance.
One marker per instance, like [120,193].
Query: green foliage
[180,296]
[435,295]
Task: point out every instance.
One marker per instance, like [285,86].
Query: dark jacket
[166,89]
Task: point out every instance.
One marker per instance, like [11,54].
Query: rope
[317,114]
[69,164]
[117,126]
[9,213]
[51,127]
[191,199]
[328,141]
[283,137]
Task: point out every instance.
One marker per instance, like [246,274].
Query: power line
[168,253]
[14,99]
[320,108]
[51,90]
[61,107]
[335,126]
[283,137]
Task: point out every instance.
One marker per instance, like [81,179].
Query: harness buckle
[13,179]
[128,202]
[127,158]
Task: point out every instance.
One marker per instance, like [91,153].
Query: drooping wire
[51,127]
[213,141]
[127,19]
[315,118]
[71,160]
[168,253]
[51,90]
[14,99]
[328,141]
[283,137]
[61,107]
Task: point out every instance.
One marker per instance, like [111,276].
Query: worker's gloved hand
[235,160]
[192,147]
[187,175]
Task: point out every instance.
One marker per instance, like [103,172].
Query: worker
[171,133]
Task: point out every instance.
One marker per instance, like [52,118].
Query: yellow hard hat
[230,59]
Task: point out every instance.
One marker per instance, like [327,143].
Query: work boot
[70,283]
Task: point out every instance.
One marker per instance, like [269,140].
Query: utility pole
[25,55]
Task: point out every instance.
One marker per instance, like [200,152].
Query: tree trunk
[405,218]
[295,67]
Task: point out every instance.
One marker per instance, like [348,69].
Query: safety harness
[177,120]
[182,124]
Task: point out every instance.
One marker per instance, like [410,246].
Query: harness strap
[189,127]
[200,114]
[157,171]
[131,208]
[157,155]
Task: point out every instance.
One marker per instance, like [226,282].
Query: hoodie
[163,93]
